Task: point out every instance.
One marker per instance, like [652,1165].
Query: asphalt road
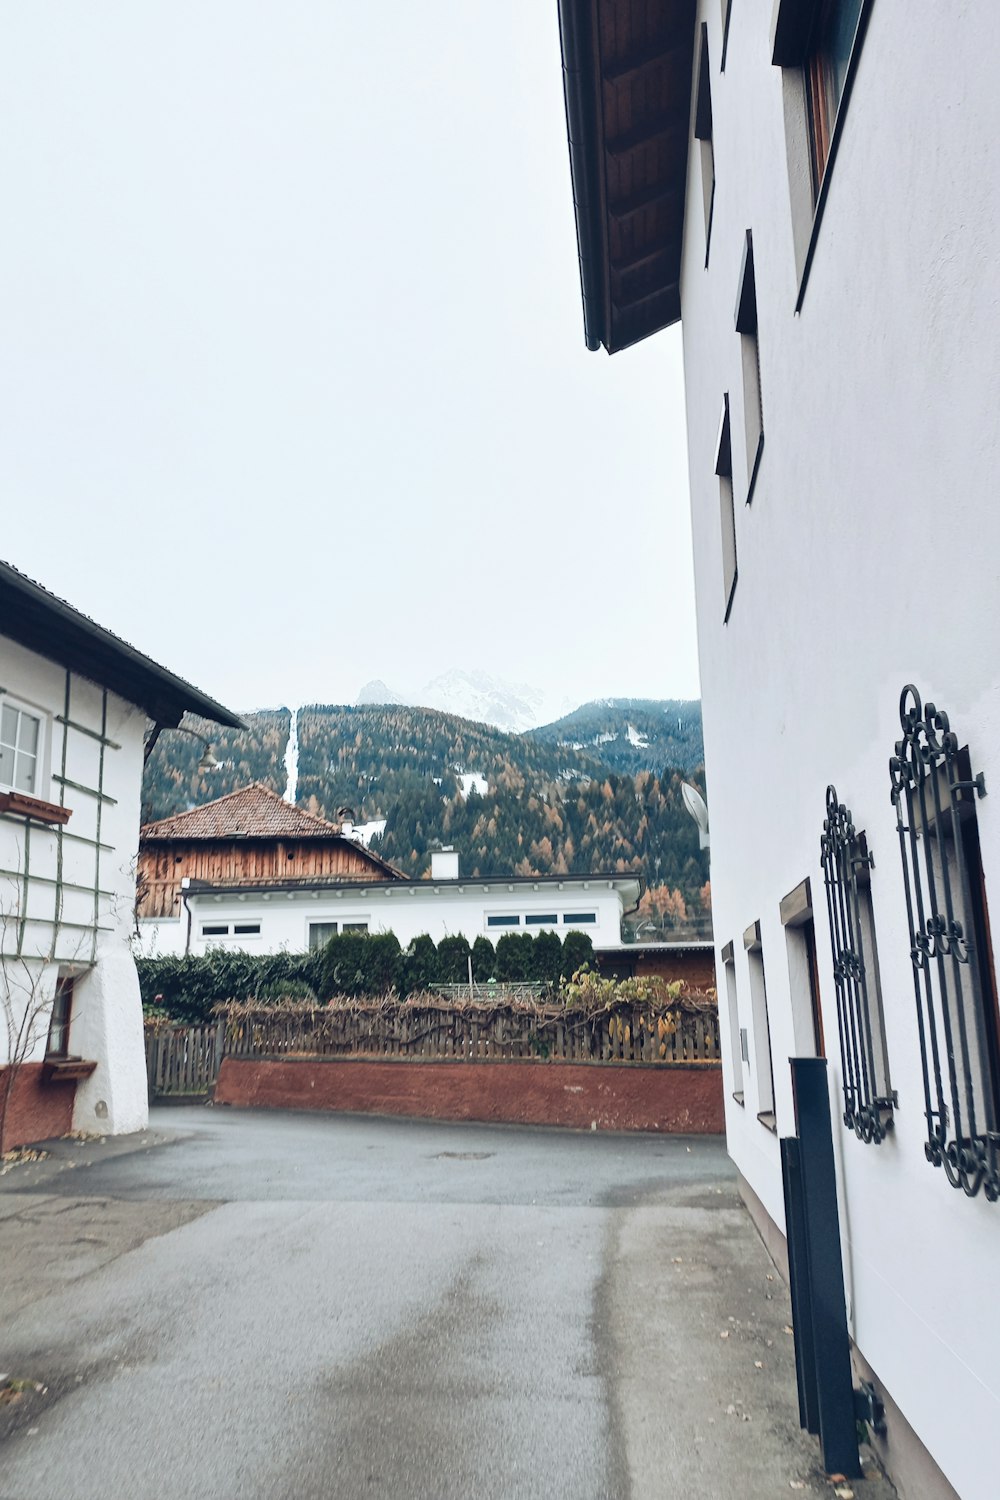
[330,1308]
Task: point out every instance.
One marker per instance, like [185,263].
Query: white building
[303,914]
[814,187]
[75,707]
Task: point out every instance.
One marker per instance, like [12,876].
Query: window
[354,927]
[703,135]
[746,327]
[580,919]
[934,792]
[868,1097]
[735,1037]
[215,929]
[246,929]
[320,934]
[828,58]
[59,1022]
[503,921]
[763,1066]
[20,747]
[727,9]
[803,972]
[546,919]
[817,44]
[727,515]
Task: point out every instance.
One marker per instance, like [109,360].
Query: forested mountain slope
[597,791]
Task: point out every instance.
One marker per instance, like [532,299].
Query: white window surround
[23,764]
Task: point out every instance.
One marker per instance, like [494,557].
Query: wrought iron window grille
[934,793]
[868,1101]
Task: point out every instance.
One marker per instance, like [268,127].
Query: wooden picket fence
[183,1061]
[628,1033]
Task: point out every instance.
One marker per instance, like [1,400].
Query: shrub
[547,957]
[577,950]
[453,959]
[421,969]
[483,960]
[513,960]
[188,987]
[360,963]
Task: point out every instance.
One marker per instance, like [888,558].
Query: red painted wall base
[38,1111]
[684,1098]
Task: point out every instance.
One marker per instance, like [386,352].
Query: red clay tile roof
[253,812]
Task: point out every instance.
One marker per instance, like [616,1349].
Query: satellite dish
[698,808]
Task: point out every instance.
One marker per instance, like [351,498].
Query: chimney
[444,864]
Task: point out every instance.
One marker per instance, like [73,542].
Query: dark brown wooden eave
[627,73]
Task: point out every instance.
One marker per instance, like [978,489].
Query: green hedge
[355,964]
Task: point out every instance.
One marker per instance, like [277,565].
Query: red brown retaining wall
[684,1098]
[38,1111]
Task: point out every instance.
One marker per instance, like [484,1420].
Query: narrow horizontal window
[546,919]
[246,929]
[354,927]
[503,921]
[580,918]
[215,929]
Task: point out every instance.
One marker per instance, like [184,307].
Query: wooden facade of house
[251,837]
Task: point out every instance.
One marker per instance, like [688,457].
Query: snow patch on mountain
[470,782]
[512,706]
[640,741]
[363,833]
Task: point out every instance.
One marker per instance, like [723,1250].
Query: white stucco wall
[407,910]
[107,1017]
[869,558]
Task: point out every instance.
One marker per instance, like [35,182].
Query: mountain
[513,706]
[377,692]
[632,734]
[599,790]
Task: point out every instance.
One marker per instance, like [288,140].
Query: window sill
[729,601]
[66,1069]
[739,1100]
[756,469]
[769,1121]
[23,806]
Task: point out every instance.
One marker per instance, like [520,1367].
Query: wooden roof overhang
[627,75]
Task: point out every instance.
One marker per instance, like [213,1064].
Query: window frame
[934,793]
[761,1021]
[792,31]
[746,325]
[60,1019]
[41,719]
[869,1099]
[736,1033]
[727,508]
[703,135]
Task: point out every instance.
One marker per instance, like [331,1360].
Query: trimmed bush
[484,960]
[453,960]
[577,950]
[186,989]
[421,969]
[360,963]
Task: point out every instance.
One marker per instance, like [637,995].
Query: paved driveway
[329,1308]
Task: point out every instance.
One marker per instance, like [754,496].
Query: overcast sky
[293,384]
